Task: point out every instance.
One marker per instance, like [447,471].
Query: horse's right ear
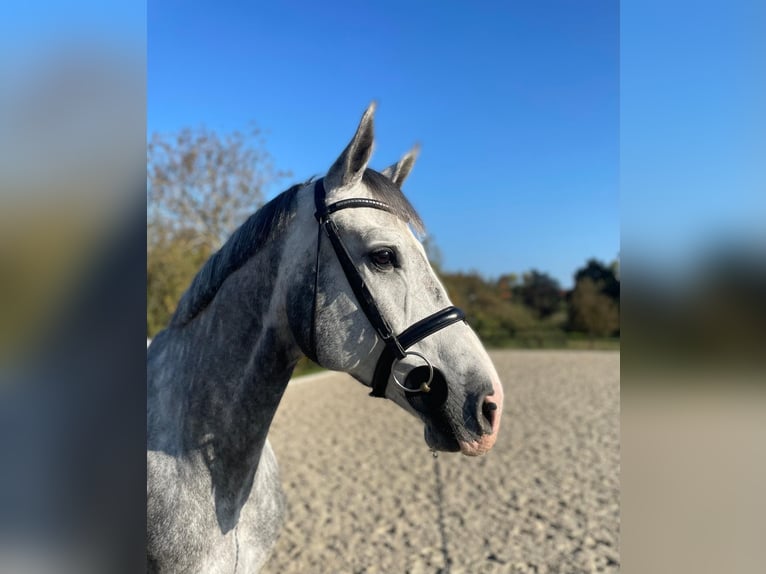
[401,169]
[349,168]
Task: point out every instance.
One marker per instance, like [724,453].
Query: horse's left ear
[349,168]
[401,169]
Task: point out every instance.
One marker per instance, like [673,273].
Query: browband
[323,211]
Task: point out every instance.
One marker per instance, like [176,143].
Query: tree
[591,311]
[208,183]
[540,292]
[200,187]
[594,306]
[170,266]
[506,284]
[602,275]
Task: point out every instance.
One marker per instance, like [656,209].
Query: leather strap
[358,286]
[395,347]
[412,335]
[352,202]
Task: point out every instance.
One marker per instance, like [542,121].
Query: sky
[515,105]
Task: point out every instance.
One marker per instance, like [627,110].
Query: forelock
[389,193]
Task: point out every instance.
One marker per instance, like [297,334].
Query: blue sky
[515,104]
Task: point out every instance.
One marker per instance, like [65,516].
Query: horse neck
[248,350]
[230,366]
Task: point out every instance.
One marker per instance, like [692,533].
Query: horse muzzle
[442,424]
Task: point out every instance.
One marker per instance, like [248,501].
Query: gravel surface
[365,494]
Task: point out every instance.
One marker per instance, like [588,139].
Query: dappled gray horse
[331,269]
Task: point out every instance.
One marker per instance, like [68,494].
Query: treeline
[532,310]
[201,185]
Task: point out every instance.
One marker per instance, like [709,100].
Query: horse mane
[241,246]
[269,221]
[388,192]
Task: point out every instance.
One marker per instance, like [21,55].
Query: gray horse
[331,269]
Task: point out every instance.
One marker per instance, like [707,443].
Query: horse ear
[401,169]
[349,168]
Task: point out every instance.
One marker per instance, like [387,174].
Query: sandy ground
[365,494]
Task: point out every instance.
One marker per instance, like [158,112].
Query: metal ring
[424,387]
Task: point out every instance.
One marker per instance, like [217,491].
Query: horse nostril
[488,409]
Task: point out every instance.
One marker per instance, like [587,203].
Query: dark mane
[241,246]
[270,220]
[388,192]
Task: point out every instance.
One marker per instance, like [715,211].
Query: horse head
[378,311]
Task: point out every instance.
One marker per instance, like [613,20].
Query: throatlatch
[395,346]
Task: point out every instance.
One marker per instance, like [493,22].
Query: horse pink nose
[491,409]
[489,422]
[487,416]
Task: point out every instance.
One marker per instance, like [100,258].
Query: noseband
[395,345]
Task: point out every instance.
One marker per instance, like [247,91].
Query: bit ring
[424,387]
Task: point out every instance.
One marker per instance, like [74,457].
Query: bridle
[395,345]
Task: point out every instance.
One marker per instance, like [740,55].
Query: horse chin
[441,440]
[478,447]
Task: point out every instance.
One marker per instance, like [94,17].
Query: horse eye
[383,258]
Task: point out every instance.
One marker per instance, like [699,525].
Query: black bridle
[395,345]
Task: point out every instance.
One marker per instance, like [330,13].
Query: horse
[333,269]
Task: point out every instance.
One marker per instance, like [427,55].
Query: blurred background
[692,209]
[72,286]
[532,115]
